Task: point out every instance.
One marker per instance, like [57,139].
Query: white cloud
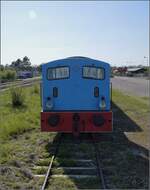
[32,14]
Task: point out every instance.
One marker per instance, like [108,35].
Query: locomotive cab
[76,96]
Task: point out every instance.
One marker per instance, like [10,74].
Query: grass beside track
[22,144]
[133,116]
[17,120]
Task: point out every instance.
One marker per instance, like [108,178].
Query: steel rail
[48,173]
[19,81]
[51,163]
[5,87]
[100,171]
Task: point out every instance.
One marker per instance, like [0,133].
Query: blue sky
[115,32]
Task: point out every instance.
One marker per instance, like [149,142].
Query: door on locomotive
[76,96]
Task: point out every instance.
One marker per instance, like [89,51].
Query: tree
[24,64]
[39,68]
[16,64]
[1,68]
[26,61]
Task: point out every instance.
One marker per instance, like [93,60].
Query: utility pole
[148,65]
[146,61]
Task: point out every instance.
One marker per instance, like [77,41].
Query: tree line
[9,72]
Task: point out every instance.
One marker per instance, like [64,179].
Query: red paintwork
[85,124]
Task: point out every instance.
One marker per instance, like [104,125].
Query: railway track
[98,160]
[85,166]
[20,83]
[51,163]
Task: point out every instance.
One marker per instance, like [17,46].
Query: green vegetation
[16,120]
[134,113]
[23,146]
[7,75]
[123,168]
[131,102]
[40,170]
[65,162]
[43,162]
[22,143]
[36,89]
[73,184]
[17,97]
[23,64]
[76,151]
[137,108]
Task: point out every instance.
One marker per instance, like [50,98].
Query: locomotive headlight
[49,103]
[102,104]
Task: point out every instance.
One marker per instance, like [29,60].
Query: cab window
[58,73]
[93,72]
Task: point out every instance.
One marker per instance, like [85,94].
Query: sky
[111,31]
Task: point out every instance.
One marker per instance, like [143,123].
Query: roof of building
[135,69]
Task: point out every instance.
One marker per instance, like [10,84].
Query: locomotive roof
[77,57]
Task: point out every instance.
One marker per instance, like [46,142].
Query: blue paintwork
[76,93]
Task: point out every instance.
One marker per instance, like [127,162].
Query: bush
[36,89]
[17,97]
[7,75]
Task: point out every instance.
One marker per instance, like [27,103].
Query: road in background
[131,85]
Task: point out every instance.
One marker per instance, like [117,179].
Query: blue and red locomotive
[76,96]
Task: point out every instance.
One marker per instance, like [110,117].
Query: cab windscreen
[93,72]
[57,73]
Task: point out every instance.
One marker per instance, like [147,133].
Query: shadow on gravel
[122,122]
[125,164]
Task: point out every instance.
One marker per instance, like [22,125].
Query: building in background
[139,72]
